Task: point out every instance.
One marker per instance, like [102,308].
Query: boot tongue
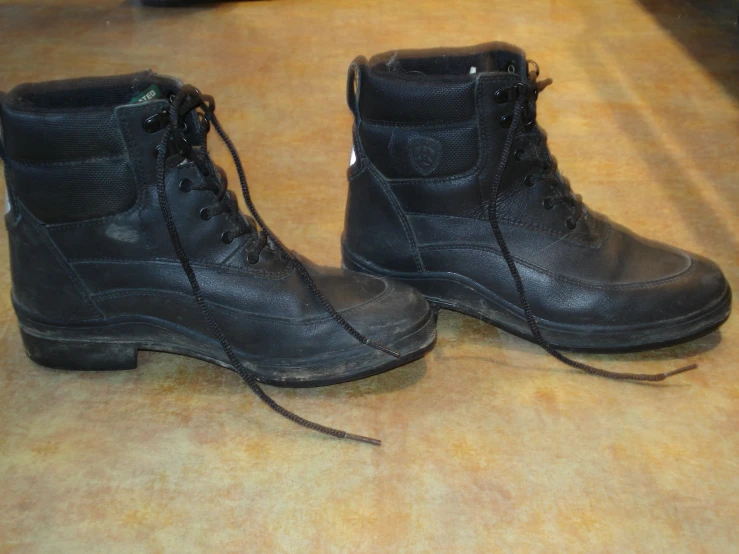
[148,86]
[153,92]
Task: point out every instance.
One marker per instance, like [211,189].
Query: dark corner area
[709,31]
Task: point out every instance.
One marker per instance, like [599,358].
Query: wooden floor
[489,444]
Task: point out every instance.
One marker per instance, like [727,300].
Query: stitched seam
[559,277]
[175,263]
[443,179]
[523,224]
[141,199]
[359,165]
[434,125]
[257,317]
[76,280]
[397,208]
[74,162]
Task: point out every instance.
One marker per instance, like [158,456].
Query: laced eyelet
[548,204]
[205,214]
[227,238]
[529,181]
[570,223]
[151,124]
[185,185]
[506,121]
[183,147]
[519,154]
[155,123]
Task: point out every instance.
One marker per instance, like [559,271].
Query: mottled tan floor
[489,445]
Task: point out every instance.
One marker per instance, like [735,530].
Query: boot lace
[523,120]
[174,144]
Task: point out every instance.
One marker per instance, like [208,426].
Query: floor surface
[489,444]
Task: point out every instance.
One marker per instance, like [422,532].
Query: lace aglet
[680,370]
[383,348]
[360,438]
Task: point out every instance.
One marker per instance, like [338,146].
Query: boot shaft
[67,145]
[84,214]
[428,135]
[434,114]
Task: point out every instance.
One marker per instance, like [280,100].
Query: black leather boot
[452,189]
[111,194]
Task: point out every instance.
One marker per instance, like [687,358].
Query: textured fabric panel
[415,99]
[407,152]
[66,193]
[62,136]
[85,92]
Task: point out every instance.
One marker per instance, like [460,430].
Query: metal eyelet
[183,147]
[155,123]
[500,96]
[536,66]
[205,214]
[185,185]
[511,68]
[252,259]
[151,124]
[519,154]
[570,223]
[506,121]
[529,181]
[227,238]
[548,204]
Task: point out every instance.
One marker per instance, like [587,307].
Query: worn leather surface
[489,445]
[124,265]
[597,274]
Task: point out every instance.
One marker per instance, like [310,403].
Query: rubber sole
[460,294]
[114,345]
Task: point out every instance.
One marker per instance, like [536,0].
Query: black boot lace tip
[360,438]
[680,370]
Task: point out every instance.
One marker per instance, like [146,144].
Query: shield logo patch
[425,154]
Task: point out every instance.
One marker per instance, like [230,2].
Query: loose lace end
[360,438]
[383,348]
[680,370]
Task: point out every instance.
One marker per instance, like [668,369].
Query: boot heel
[79,355]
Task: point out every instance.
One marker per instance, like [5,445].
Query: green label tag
[152,93]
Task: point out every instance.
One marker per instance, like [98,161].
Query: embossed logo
[425,154]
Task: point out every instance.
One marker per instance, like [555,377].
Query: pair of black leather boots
[123,235]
